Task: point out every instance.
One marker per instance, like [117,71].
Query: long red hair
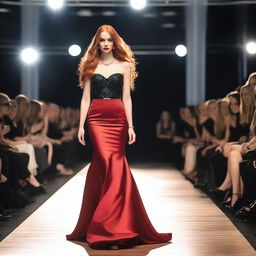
[90,60]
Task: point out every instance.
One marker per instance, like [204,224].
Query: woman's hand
[80,136]
[245,148]
[219,149]
[132,136]
[177,139]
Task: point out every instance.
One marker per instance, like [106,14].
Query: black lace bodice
[102,87]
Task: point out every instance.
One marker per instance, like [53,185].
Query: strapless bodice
[102,87]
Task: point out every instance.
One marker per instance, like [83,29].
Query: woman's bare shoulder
[125,64]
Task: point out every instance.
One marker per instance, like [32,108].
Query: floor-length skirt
[112,211]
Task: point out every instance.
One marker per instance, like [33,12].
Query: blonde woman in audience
[221,118]
[22,116]
[235,156]
[247,110]
[38,128]
[9,115]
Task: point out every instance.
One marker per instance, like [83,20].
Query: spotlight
[29,55]
[138,4]
[181,50]
[55,4]
[74,50]
[251,48]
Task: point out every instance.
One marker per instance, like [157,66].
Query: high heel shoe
[238,204]
[221,194]
[227,201]
[31,190]
[247,215]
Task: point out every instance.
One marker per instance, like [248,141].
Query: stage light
[138,4]
[181,50]
[55,4]
[74,50]
[29,55]
[251,48]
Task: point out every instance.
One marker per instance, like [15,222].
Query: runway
[199,227]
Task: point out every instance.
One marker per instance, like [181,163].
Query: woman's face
[13,111]
[24,108]
[212,108]
[202,109]
[165,115]
[246,95]
[187,112]
[106,42]
[234,106]
[224,108]
[252,82]
[5,107]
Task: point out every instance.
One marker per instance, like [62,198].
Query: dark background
[161,81]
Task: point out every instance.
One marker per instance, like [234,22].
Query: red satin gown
[112,211]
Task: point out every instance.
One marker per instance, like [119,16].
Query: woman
[22,116]
[220,129]
[165,131]
[165,127]
[233,181]
[246,112]
[20,146]
[112,213]
[215,133]
[193,146]
[38,127]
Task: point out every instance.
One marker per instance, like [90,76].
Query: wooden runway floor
[199,227]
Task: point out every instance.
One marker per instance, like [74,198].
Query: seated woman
[193,145]
[217,127]
[165,131]
[38,128]
[16,171]
[238,134]
[21,145]
[233,181]
[247,108]
[187,131]
[5,105]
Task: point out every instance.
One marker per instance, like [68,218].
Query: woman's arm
[45,125]
[227,134]
[84,106]
[195,128]
[126,99]
[226,138]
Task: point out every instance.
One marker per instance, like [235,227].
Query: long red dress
[112,211]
